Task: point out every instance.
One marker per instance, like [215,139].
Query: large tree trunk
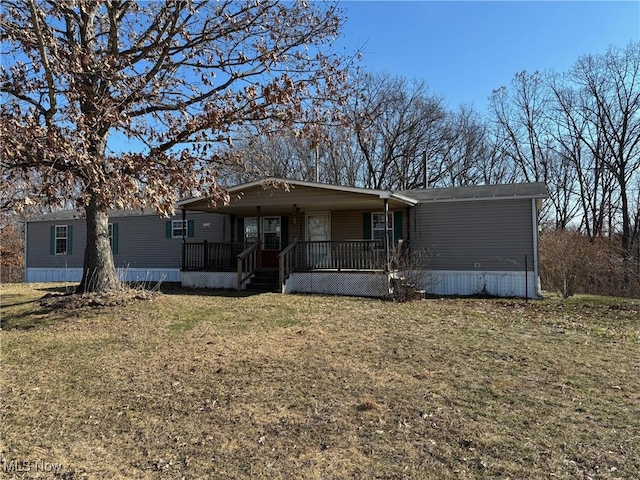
[99,273]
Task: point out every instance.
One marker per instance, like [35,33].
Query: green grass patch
[304,386]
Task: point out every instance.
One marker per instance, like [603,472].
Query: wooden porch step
[265,281]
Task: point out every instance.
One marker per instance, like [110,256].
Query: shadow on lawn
[177,289]
[38,312]
[63,289]
[168,288]
[27,319]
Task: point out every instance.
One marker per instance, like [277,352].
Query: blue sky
[465,49]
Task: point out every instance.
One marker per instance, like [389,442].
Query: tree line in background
[577,131]
[218,93]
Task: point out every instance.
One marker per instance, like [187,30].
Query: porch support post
[386,233]
[184,240]
[259,221]
[295,222]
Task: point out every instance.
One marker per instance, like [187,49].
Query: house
[146,247]
[312,237]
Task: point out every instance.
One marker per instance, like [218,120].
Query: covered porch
[301,230]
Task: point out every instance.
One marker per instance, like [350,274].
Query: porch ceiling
[278,199]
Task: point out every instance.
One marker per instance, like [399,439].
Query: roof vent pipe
[425,161]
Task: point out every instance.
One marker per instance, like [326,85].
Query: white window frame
[176,226]
[251,239]
[390,230]
[66,239]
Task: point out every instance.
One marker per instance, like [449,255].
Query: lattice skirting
[222,280]
[361,284]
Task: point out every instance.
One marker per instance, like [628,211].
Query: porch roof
[278,195]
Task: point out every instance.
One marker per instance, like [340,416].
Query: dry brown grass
[272,386]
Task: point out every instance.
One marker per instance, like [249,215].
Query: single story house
[296,236]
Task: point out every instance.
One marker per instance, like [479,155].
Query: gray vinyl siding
[497,234]
[38,245]
[142,241]
[346,225]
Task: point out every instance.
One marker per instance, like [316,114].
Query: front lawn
[190,385]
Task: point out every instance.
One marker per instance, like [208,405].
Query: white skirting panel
[361,284]
[226,280]
[500,284]
[44,275]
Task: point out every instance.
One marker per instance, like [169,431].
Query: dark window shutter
[366,226]
[190,226]
[69,239]
[114,238]
[397,225]
[168,229]
[52,241]
[284,232]
[240,229]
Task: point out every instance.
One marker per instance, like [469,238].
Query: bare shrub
[570,263]
[412,277]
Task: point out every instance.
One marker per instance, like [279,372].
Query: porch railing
[332,255]
[248,261]
[211,255]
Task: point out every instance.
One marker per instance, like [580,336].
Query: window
[379,226]
[61,239]
[111,235]
[178,229]
[250,230]
[175,229]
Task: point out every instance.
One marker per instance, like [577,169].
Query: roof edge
[237,189]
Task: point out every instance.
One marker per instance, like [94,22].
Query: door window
[271,233]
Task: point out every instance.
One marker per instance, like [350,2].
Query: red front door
[271,235]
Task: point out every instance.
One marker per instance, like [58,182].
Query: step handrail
[287,262]
[249,262]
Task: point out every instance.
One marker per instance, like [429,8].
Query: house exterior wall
[346,225]
[478,235]
[349,225]
[142,247]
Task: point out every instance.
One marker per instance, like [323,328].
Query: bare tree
[176,78]
[580,143]
[393,122]
[463,149]
[525,130]
[612,81]
[520,112]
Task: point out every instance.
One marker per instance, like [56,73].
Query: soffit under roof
[277,197]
